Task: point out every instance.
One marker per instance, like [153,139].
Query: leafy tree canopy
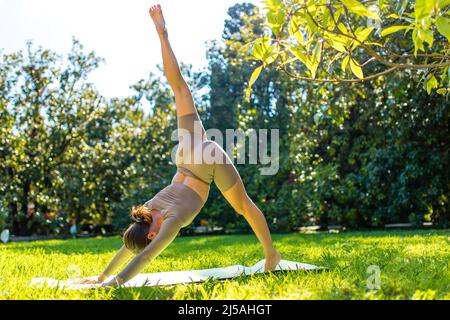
[354,41]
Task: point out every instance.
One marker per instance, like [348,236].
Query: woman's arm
[168,232]
[119,259]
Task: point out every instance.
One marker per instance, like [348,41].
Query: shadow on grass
[223,243]
[105,245]
[72,246]
[331,238]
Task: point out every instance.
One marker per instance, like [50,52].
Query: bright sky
[118,30]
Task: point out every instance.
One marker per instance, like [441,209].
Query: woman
[158,222]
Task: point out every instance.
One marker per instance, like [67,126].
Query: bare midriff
[200,187]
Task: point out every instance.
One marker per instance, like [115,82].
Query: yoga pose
[158,221]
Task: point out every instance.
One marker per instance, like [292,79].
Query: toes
[155,9]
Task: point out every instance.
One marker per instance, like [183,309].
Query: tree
[350,41]
[67,154]
[342,146]
[43,109]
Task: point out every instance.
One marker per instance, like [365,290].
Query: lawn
[412,264]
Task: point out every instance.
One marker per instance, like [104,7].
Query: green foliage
[357,154]
[308,39]
[69,155]
[361,155]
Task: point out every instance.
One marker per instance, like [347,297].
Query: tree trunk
[14,211]
[23,226]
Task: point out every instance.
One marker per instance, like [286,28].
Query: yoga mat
[178,277]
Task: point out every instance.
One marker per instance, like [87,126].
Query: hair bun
[141,214]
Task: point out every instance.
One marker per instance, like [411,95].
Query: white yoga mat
[178,277]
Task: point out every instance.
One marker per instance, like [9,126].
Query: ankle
[271,252]
[162,32]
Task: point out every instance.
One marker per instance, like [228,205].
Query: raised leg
[183,96]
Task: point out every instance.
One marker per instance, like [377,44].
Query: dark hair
[136,236]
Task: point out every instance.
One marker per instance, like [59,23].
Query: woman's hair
[136,236]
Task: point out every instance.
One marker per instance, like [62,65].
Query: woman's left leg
[241,202]
[230,184]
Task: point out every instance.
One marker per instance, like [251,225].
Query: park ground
[412,264]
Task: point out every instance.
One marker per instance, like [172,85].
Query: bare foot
[158,18]
[272,261]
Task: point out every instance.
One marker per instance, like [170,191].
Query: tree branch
[342,80]
[372,52]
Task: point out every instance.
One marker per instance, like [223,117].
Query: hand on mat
[113,283]
[108,285]
[88,281]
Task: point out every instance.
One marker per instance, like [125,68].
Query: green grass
[413,264]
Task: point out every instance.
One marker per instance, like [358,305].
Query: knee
[181,88]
